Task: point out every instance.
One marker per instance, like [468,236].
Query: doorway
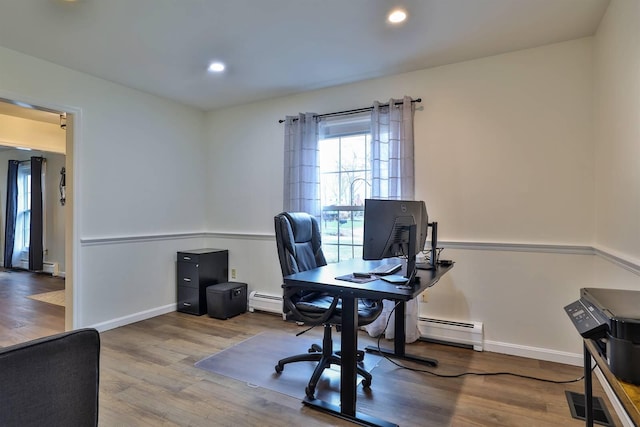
[32,131]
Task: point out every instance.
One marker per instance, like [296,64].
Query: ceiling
[277,47]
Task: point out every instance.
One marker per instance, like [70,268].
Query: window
[345,181]
[23,217]
[333,162]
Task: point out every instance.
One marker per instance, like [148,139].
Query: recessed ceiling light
[397,16]
[216,67]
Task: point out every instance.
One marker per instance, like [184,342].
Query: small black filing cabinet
[227,300]
[197,269]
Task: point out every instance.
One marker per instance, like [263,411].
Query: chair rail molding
[607,254]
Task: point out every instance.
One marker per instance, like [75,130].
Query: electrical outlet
[424,297]
[233,273]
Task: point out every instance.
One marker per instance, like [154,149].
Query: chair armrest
[308,318]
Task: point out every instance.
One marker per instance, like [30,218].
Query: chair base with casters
[325,356]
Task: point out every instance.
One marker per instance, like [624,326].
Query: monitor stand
[431,265]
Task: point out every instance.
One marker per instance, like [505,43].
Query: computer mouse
[362,275]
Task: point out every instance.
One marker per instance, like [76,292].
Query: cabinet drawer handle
[186,258]
[187,304]
[186,279]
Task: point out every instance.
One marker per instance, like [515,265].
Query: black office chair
[51,381]
[299,249]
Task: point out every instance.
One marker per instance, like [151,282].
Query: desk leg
[399,339]
[349,345]
[348,372]
[588,388]
[399,333]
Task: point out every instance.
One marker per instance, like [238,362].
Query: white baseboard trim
[135,317]
[575,359]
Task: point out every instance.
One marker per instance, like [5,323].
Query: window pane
[330,253]
[346,253]
[353,153]
[344,182]
[330,189]
[23,214]
[27,229]
[358,189]
[329,155]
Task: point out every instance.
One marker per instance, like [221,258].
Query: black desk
[324,278]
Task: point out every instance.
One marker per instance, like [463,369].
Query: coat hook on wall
[62,186]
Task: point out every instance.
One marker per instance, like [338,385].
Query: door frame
[73,134]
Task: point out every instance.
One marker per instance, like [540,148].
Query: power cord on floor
[462,374]
[306,330]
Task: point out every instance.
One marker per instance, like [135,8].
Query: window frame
[344,211]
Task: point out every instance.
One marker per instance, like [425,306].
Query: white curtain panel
[301,164]
[393,178]
[392,150]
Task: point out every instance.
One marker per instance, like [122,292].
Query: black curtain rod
[356,110]
[29,161]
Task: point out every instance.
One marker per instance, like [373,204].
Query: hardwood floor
[148,378]
[23,318]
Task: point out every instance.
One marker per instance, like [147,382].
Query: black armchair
[51,381]
[299,249]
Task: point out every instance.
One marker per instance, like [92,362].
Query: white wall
[55,212]
[617,148]
[506,157]
[617,136]
[504,146]
[504,154]
[139,172]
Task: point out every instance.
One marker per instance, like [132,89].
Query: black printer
[612,317]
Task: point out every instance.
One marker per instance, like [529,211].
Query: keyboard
[386,268]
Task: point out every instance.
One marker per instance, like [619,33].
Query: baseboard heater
[47,267]
[265,302]
[468,334]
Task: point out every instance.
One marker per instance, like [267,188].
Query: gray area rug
[253,361]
